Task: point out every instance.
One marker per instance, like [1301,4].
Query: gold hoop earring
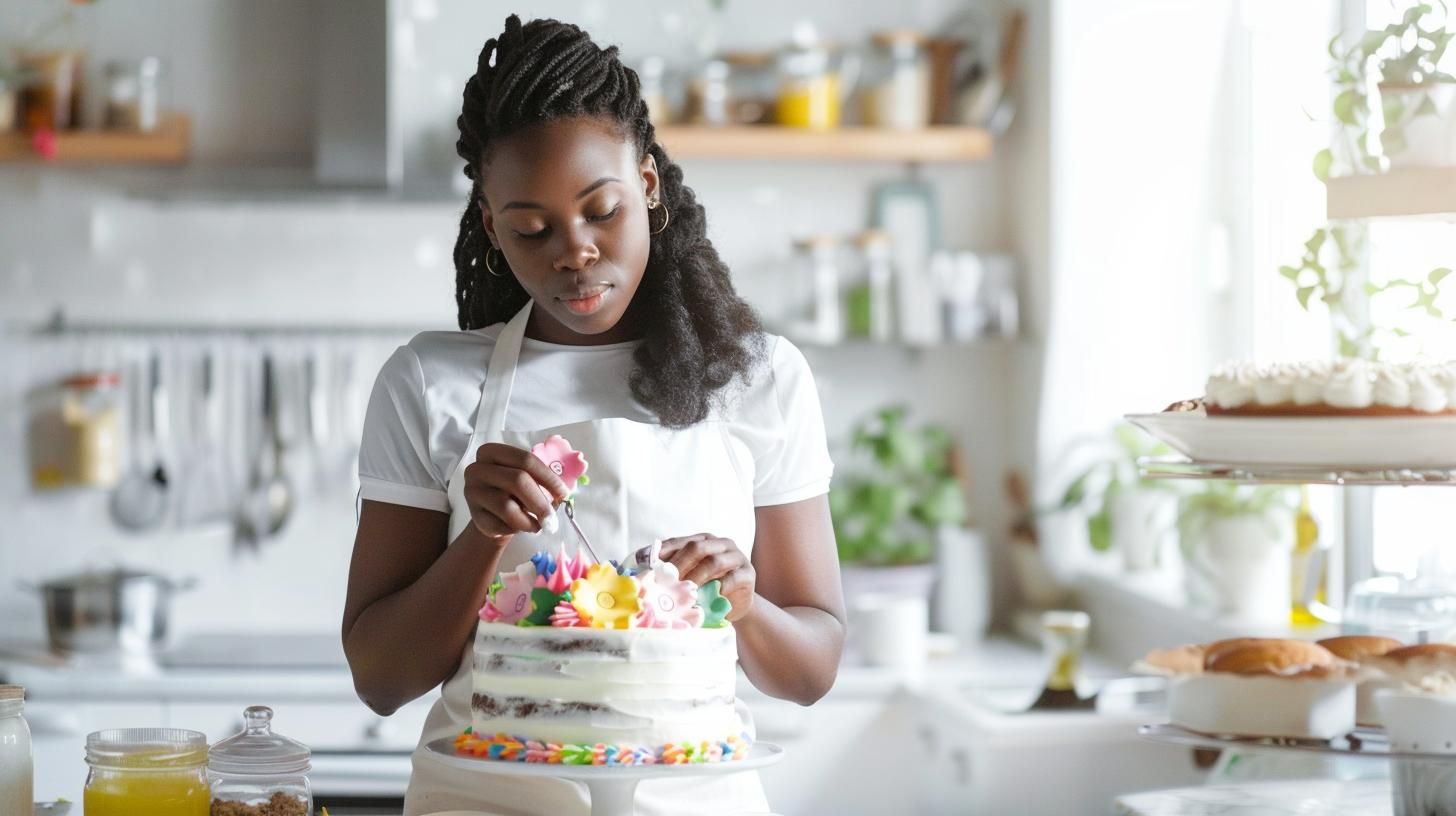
[652,204]
[490,268]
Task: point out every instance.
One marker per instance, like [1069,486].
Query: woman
[591,304]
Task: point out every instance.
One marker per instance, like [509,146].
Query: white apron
[647,482]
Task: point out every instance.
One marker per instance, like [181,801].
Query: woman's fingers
[497,513]
[511,457]
[522,487]
[703,559]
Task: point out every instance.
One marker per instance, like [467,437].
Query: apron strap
[500,377]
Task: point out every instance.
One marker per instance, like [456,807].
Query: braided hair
[698,334]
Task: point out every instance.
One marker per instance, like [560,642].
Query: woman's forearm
[769,633]
[408,642]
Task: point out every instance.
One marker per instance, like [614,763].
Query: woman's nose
[577,252]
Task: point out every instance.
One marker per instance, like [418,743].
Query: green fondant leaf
[543,603]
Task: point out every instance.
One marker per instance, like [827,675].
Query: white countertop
[1316,797]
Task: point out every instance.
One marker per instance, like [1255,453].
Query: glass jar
[709,100]
[752,84]
[257,772]
[814,296]
[146,772]
[869,308]
[16,768]
[133,94]
[652,74]
[897,82]
[91,412]
[809,92]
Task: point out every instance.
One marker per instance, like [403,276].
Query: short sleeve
[394,453]
[792,463]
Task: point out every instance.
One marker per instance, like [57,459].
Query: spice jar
[133,94]
[811,82]
[708,95]
[814,295]
[897,82]
[151,771]
[90,411]
[260,773]
[16,769]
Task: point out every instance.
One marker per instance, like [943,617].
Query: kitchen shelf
[168,144]
[1413,192]
[1363,742]
[1179,468]
[933,144]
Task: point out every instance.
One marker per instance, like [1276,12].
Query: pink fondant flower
[566,616]
[563,460]
[513,600]
[667,601]
[567,571]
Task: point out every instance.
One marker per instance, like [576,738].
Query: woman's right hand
[509,491]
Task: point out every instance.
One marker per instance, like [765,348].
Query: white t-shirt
[422,410]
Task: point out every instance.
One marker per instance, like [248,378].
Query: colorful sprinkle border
[506,748]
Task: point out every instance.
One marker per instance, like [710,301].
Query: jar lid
[147,749]
[257,750]
[95,379]
[901,36]
[8,692]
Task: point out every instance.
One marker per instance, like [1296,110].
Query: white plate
[1333,442]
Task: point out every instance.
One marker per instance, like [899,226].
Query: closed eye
[540,233]
[606,216]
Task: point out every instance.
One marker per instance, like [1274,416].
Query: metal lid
[147,749]
[104,578]
[8,692]
[257,750]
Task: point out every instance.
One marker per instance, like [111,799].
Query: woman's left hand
[704,557]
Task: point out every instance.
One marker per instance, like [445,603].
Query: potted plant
[1126,514]
[1416,97]
[888,514]
[1237,542]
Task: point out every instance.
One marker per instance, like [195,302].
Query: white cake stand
[613,790]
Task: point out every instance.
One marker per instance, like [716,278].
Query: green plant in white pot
[1237,543]
[1126,514]
[889,511]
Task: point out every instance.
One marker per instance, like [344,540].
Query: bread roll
[1272,656]
[1357,648]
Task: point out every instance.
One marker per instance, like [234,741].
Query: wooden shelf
[167,145]
[935,144]
[1428,192]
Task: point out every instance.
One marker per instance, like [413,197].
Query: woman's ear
[487,221]
[650,179]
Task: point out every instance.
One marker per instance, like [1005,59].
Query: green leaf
[1315,242]
[1099,531]
[543,603]
[1372,163]
[1346,107]
[1348,347]
[1371,42]
[1323,161]
[1392,108]
[1399,332]
[1438,275]
[1427,107]
[1303,294]
[1371,290]
[1393,140]
[1289,272]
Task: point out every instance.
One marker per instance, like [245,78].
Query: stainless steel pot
[112,612]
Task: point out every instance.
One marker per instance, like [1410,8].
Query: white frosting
[1232,385]
[1347,384]
[1391,389]
[622,686]
[1427,393]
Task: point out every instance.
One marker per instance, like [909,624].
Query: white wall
[78,240]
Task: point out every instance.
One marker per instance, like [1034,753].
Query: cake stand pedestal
[613,789]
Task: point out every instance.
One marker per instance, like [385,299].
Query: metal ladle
[268,501]
[139,502]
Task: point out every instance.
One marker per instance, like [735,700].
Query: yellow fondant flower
[605,598]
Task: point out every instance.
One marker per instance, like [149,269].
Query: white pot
[1143,522]
[1240,565]
[1430,140]
[961,604]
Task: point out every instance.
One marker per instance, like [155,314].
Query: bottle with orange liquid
[1306,541]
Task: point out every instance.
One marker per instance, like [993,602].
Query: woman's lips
[586,302]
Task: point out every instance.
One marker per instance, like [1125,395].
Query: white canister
[1143,524]
[1244,564]
[891,631]
[16,769]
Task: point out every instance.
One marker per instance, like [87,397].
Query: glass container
[146,772]
[259,773]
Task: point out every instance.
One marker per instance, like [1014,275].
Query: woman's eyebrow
[531,205]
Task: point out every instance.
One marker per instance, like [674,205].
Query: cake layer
[622,686]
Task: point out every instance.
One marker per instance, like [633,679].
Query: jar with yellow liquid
[147,772]
[813,82]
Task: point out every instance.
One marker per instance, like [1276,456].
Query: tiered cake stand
[613,789]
